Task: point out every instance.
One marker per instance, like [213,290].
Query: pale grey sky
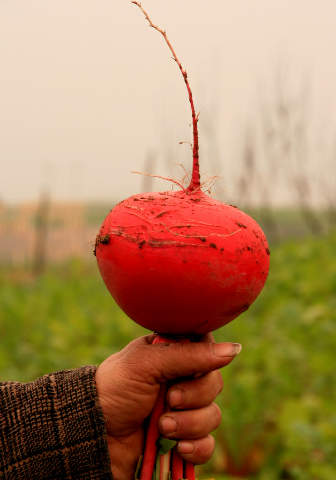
[87,89]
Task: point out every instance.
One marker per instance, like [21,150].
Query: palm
[133,401]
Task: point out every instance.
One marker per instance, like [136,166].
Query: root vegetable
[181,262]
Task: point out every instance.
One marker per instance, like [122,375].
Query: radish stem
[157,467]
[189,471]
[165,465]
[153,429]
[195,182]
[177,465]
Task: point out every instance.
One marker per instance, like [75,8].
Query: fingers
[195,393]
[192,428]
[161,362]
[197,451]
[190,424]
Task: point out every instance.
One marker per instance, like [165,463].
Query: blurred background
[89,93]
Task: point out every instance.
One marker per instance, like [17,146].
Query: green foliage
[279,395]
[63,319]
[278,402]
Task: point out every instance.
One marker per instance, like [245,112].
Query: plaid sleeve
[53,428]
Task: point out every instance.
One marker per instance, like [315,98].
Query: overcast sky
[88,90]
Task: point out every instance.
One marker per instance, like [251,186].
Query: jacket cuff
[53,428]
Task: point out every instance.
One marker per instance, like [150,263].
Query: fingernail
[226,349]
[185,447]
[168,425]
[176,398]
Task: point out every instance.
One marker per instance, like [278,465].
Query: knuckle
[204,449]
[208,445]
[210,351]
[206,358]
[216,414]
[212,443]
[219,381]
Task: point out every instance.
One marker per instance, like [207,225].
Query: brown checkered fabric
[53,428]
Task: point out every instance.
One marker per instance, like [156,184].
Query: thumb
[158,363]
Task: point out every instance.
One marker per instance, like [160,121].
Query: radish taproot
[180,262]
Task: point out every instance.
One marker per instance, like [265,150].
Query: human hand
[128,384]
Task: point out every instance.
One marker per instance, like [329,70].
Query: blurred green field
[279,397]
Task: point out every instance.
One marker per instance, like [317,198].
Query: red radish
[181,262]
